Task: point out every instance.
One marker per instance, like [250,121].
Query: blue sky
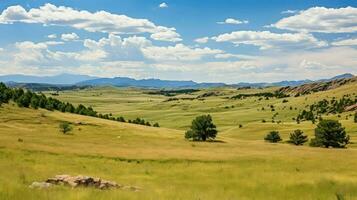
[212,41]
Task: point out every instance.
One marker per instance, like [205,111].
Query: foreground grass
[163,164]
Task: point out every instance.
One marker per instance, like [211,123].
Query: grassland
[161,162]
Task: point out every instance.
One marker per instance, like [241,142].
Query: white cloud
[233,21]
[179,52]
[202,40]
[166,34]
[52,36]
[267,39]
[69,36]
[163,5]
[239,56]
[137,57]
[289,11]
[321,19]
[100,21]
[346,42]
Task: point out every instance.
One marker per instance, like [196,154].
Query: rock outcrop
[81,181]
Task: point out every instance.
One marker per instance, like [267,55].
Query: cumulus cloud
[100,21]
[114,56]
[166,34]
[321,19]
[202,40]
[289,11]
[239,56]
[346,42]
[267,39]
[163,5]
[69,36]
[179,52]
[233,21]
[52,36]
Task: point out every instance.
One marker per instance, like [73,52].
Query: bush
[65,127]
[156,125]
[273,137]
[355,118]
[297,137]
[202,129]
[330,133]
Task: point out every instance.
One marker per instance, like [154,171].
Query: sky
[227,41]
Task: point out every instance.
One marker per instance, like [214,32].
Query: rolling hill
[165,165]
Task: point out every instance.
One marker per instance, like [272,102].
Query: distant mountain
[342,76]
[64,79]
[83,80]
[294,83]
[38,87]
[149,83]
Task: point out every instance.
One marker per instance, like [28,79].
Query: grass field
[161,162]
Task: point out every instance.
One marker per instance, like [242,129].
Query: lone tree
[202,128]
[330,133]
[65,127]
[355,118]
[273,137]
[297,137]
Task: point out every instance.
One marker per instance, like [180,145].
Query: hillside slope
[318,86]
[162,163]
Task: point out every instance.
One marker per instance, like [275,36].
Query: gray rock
[40,185]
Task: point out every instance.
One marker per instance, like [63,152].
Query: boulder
[40,185]
[85,181]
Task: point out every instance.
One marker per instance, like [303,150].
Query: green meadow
[239,165]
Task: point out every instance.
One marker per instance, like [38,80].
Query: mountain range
[84,80]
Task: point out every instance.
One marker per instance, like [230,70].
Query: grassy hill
[161,162]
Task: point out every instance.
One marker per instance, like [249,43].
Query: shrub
[273,137]
[355,118]
[297,137]
[202,128]
[330,133]
[156,125]
[65,127]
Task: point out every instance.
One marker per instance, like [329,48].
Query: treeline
[29,99]
[39,87]
[276,94]
[171,93]
[324,106]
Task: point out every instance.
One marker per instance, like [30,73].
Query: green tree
[330,133]
[35,102]
[273,137]
[65,127]
[355,118]
[297,137]
[156,125]
[202,129]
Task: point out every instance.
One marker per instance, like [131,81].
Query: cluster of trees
[142,122]
[202,129]
[306,115]
[170,93]
[30,99]
[324,107]
[65,127]
[328,133]
[277,94]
